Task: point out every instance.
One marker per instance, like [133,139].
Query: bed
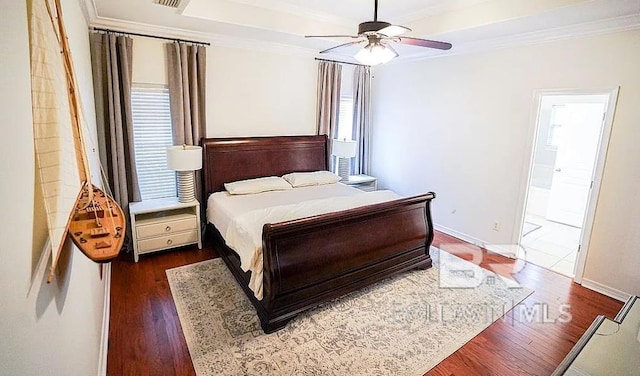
[318,258]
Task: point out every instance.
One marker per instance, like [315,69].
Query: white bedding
[222,207]
[240,218]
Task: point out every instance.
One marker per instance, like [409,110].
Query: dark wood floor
[145,337]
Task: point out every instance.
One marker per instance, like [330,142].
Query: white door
[577,139]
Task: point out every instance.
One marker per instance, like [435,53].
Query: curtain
[361,127]
[111,58]
[329,79]
[187,76]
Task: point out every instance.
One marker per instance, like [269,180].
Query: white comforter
[244,233]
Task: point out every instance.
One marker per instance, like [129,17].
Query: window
[345,118]
[555,132]
[152,135]
[345,124]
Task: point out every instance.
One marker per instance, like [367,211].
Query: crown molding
[611,25]
[608,26]
[215,39]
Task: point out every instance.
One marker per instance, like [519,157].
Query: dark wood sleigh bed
[315,259]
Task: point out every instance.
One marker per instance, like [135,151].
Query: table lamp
[185,160]
[344,150]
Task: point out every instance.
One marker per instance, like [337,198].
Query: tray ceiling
[471,25]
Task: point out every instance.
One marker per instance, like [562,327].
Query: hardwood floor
[145,337]
[515,346]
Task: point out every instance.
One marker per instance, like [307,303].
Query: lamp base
[343,168]
[186,186]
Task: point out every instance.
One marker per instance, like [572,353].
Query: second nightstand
[164,223]
[362,182]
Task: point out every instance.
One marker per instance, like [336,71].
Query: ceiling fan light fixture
[379,36]
[375,53]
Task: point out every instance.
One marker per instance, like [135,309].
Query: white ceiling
[470,25]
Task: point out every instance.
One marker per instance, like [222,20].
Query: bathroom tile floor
[553,245]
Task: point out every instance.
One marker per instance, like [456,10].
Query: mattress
[222,207]
[240,218]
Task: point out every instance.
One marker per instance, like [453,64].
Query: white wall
[149,65]
[249,93]
[462,126]
[258,93]
[52,329]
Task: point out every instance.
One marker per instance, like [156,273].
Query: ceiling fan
[377,35]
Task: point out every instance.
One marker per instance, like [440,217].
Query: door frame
[603,146]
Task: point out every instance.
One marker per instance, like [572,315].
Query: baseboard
[459,235]
[512,251]
[506,250]
[605,290]
[104,340]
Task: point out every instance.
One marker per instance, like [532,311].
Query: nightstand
[165,223]
[362,182]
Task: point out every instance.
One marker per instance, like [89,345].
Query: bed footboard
[315,259]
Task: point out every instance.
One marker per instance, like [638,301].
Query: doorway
[572,132]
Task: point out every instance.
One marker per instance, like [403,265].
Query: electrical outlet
[496,226]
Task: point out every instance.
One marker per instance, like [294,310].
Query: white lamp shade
[375,53]
[343,148]
[184,158]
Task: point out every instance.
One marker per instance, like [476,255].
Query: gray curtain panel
[361,124]
[111,58]
[187,77]
[329,78]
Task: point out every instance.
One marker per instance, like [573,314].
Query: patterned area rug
[404,325]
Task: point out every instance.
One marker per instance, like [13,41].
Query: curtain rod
[340,62]
[149,36]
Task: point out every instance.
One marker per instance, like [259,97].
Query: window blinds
[152,135]
[345,118]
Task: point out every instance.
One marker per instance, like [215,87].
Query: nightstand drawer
[166,225]
[169,241]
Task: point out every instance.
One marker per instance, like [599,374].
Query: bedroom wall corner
[45,328]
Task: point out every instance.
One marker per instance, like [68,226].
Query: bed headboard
[231,159]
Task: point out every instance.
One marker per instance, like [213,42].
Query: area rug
[529,228]
[404,325]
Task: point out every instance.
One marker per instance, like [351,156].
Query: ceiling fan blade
[393,30]
[332,36]
[342,45]
[424,43]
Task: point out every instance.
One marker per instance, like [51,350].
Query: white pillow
[305,179]
[243,187]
